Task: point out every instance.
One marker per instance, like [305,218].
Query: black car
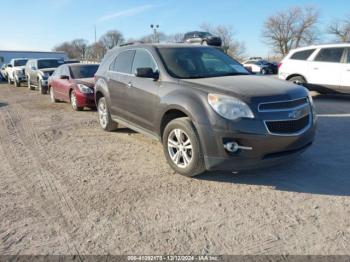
[203,38]
[38,72]
[205,108]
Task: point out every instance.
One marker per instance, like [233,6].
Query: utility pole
[155,33]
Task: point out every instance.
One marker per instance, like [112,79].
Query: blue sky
[41,24]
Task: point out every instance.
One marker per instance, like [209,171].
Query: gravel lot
[67,187]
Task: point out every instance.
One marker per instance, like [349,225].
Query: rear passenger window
[302,55]
[332,55]
[123,62]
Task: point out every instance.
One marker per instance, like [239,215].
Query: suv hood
[248,87]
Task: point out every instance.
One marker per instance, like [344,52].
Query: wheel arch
[295,75]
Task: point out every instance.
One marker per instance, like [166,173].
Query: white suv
[323,68]
[15,71]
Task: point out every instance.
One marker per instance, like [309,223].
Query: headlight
[229,107]
[85,89]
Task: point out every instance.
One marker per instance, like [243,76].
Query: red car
[74,83]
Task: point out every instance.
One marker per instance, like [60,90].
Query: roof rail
[132,43]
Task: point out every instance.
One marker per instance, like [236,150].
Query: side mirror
[64,77]
[147,72]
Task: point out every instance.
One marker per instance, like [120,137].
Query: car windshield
[53,63]
[83,71]
[21,62]
[199,62]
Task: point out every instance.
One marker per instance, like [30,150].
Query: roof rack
[132,43]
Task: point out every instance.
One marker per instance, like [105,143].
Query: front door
[143,93]
[325,69]
[345,74]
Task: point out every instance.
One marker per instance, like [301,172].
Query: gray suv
[38,72]
[205,108]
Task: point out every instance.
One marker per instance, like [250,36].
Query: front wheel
[104,116]
[182,148]
[17,83]
[52,95]
[30,87]
[264,71]
[74,102]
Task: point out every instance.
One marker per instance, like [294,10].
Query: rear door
[64,84]
[345,73]
[325,69]
[118,79]
[143,92]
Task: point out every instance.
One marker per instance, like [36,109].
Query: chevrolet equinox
[205,108]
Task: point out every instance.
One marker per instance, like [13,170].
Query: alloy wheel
[180,148]
[102,114]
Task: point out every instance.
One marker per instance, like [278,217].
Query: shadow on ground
[3,104]
[322,169]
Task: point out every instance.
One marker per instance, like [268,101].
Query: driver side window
[143,59]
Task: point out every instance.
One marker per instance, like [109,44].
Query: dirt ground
[67,187]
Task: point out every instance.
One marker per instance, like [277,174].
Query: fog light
[233,147]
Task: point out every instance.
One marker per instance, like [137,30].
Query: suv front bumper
[265,149]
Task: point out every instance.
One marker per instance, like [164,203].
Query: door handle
[348,70]
[315,68]
[129,84]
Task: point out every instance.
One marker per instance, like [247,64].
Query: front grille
[288,126]
[282,105]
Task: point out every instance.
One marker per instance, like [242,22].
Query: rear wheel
[182,148]
[264,71]
[104,116]
[74,102]
[298,80]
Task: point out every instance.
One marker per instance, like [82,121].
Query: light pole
[155,33]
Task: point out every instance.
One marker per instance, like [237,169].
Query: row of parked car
[208,111]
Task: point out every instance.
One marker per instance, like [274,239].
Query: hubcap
[74,100]
[102,113]
[180,148]
[52,95]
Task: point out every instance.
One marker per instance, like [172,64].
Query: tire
[182,148]
[298,80]
[204,42]
[263,71]
[9,81]
[52,95]
[30,87]
[42,89]
[16,83]
[73,102]
[104,116]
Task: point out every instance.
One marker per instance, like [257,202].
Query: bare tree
[177,38]
[80,46]
[227,34]
[66,47]
[96,52]
[112,39]
[291,28]
[340,29]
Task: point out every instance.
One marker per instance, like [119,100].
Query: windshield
[49,63]
[83,71]
[21,62]
[199,62]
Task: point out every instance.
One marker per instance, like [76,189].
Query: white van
[324,68]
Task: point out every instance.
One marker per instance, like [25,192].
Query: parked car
[74,83]
[203,38]
[15,71]
[39,70]
[207,110]
[258,67]
[323,68]
[3,71]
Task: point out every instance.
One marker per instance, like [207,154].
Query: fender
[102,87]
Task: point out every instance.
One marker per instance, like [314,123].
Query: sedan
[74,83]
